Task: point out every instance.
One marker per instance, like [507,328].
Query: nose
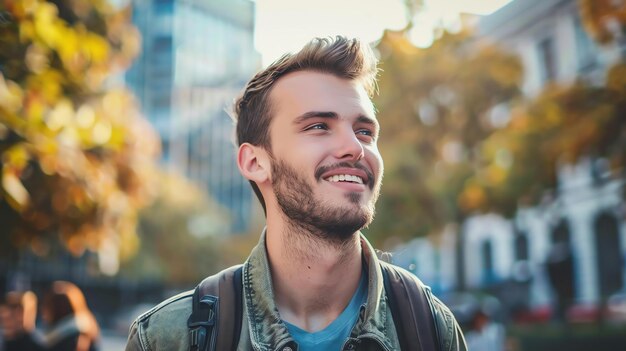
[348,146]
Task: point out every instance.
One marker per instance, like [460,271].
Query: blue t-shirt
[335,334]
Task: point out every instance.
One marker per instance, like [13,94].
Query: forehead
[304,91]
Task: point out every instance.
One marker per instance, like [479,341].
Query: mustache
[323,169]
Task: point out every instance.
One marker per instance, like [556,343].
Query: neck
[314,275]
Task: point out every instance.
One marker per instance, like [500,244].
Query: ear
[252,163]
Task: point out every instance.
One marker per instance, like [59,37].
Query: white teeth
[345,178]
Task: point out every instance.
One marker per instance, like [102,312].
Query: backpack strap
[411,310]
[215,321]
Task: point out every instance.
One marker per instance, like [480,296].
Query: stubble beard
[305,213]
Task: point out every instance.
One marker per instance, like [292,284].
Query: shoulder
[163,327]
[450,332]
[447,328]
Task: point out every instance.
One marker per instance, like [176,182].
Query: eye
[365,134]
[317,126]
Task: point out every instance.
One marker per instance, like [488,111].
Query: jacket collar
[269,333]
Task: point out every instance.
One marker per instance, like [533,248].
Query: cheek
[375,160]
[304,155]
[296,149]
[302,159]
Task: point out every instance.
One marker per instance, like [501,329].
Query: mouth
[347,178]
[355,175]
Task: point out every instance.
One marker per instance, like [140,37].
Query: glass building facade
[196,57]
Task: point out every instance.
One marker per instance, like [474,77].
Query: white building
[549,38]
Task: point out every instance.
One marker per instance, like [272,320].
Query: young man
[307,135]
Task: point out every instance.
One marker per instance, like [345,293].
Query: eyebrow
[316,114]
[332,115]
[367,120]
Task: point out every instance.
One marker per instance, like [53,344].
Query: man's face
[326,168]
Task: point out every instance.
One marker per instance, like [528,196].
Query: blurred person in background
[18,314]
[70,325]
[484,333]
[307,135]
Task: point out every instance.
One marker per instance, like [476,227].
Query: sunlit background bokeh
[503,135]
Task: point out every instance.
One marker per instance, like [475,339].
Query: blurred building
[549,37]
[577,234]
[435,263]
[584,214]
[196,57]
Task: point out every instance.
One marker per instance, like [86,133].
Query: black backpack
[215,321]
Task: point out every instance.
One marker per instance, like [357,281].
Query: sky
[285,25]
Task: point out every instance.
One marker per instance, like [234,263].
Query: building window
[547,59]
[610,261]
[489,275]
[521,247]
[561,233]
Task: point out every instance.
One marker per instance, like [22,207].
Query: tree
[76,156]
[605,20]
[435,108]
[561,126]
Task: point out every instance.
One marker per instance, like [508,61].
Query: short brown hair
[341,57]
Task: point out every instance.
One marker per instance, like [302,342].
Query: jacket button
[350,346]
[287,348]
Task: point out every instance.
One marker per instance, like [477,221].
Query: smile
[345,178]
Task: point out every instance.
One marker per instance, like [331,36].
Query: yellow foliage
[11,95]
[61,115]
[78,159]
[85,116]
[48,28]
[37,58]
[27,31]
[129,244]
[95,47]
[616,78]
[472,198]
[599,17]
[48,85]
[496,175]
[101,132]
[16,157]
[16,193]
[553,115]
